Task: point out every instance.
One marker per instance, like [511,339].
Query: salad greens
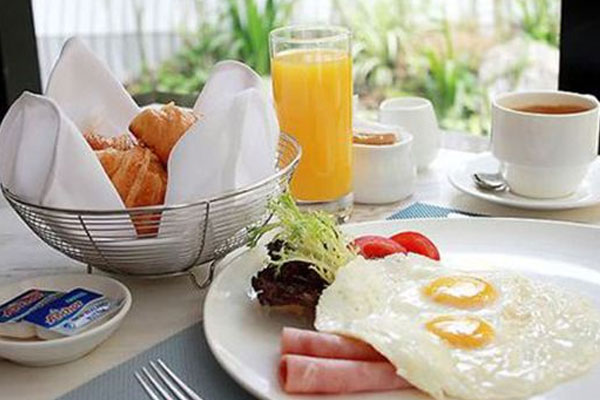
[310,237]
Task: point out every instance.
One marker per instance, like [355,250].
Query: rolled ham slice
[326,345]
[313,375]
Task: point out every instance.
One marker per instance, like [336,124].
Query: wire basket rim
[161,208]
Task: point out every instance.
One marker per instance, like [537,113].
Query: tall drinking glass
[311,68]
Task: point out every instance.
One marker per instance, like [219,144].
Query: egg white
[544,334]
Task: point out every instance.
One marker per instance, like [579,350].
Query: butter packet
[72,313]
[13,312]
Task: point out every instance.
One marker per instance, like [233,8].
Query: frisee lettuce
[312,237]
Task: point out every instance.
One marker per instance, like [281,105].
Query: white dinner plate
[245,339]
[586,195]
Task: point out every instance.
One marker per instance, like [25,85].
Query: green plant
[396,50]
[445,74]
[393,55]
[251,27]
[241,32]
[451,83]
[539,20]
[189,69]
[380,29]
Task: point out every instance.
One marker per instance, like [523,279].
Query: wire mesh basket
[160,240]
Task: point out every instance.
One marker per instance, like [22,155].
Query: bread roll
[140,180]
[137,175]
[160,129]
[98,142]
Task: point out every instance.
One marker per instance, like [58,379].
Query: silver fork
[169,380]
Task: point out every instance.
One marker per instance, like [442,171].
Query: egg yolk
[461,291]
[464,332]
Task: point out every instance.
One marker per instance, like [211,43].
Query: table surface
[22,254]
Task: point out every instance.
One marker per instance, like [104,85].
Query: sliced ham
[318,344]
[313,375]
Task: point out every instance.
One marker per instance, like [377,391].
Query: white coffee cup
[544,155]
[383,173]
[416,115]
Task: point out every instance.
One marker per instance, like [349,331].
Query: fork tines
[167,385]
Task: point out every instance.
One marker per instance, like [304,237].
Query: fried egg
[468,335]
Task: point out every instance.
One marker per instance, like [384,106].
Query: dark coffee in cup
[552,109]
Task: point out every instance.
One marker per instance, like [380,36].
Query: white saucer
[587,195]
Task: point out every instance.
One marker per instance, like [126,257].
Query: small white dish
[587,194]
[417,116]
[39,353]
[383,173]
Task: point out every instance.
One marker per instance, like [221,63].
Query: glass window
[457,53]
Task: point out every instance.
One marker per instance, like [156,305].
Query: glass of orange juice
[311,69]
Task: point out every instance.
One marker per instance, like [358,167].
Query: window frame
[19,66]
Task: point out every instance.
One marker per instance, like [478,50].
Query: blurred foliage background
[400,47]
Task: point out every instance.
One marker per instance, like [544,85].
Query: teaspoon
[493,182]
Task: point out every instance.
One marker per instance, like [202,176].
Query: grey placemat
[187,352]
[424,210]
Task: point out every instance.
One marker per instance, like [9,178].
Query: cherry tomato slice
[415,242]
[372,246]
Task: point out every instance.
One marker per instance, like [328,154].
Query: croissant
[140,180]
[137,175]
[160,129]
[98,142]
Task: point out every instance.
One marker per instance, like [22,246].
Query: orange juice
[313,97]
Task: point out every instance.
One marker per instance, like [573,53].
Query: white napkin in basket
[88,93]
[233,145]
[44,158]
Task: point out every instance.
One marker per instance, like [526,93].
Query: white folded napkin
[45,159]
[235,142]
[88,93]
